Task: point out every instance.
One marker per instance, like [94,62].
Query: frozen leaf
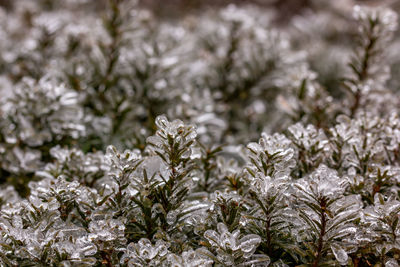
[391,263]
[249,243]
[340,254]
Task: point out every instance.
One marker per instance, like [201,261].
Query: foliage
[219,139]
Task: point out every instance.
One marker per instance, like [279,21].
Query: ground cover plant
[225,137]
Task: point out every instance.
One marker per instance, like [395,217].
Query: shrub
[217,139]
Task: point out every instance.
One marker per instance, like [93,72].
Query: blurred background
[172,9]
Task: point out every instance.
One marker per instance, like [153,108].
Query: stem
[207,166]
[394,235]
[322,232]
[357,98]
[269,236]
[363,72]
[106,259]
[268,226]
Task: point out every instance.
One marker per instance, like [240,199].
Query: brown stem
[269,237]
[357,98]
[322,232]
[106,259]
[363,73]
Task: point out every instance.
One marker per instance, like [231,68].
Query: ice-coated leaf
[222,228]
[259,260]
[171,216]
[89,250]
[161,121]
[196,153]
[212,237]
[340,254]
[391,263]
[249,243]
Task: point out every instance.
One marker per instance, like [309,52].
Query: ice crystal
[58,115]
[144,252]
[189,258]
[230,246]
[173,135]
[272,155]
[340,254]
[73,164]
